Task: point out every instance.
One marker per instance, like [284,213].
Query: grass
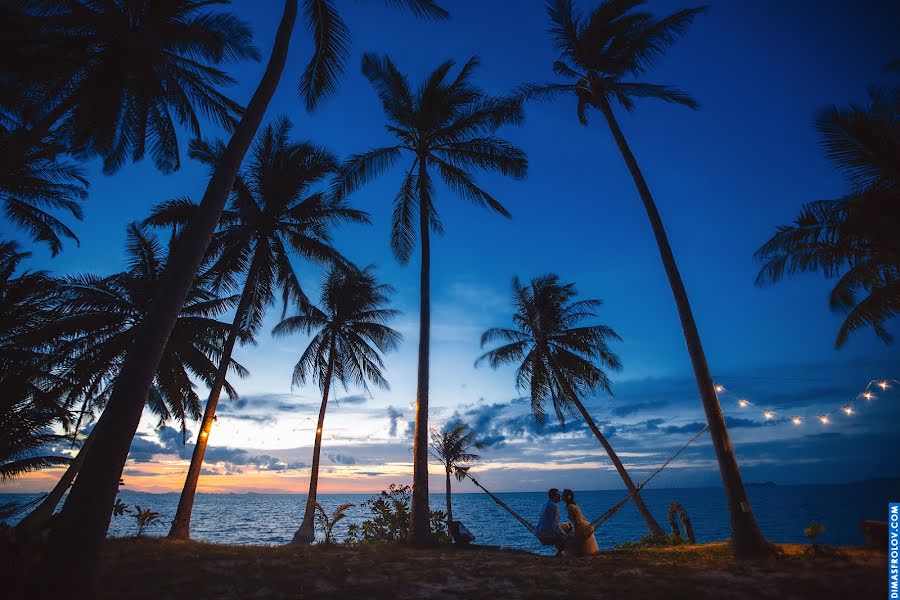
[158,568]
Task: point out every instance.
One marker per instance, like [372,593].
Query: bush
[389,523]
[652,541]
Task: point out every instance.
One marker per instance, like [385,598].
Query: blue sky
[723,178]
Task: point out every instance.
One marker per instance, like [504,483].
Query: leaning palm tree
[87,512]
[452,446]
[349,335]
[98,318]
[854,238]
[275,211]
[448,126]
[557,356]
[599,54]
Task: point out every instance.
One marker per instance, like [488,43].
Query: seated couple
[575,538]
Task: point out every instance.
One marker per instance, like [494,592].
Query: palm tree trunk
[37,518]
[181,524]
[420,517]
[449,503]
[306,534]
[655,529]
[746,537]
[73,550]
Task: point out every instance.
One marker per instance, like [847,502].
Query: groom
[548,530]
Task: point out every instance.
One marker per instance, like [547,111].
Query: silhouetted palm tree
[854,238]
[41,182]
[86,514]
[446,126]
[452,446]
[97,320]
[557,357]
[275,210]
[599,54]
[349,334]
[124,73]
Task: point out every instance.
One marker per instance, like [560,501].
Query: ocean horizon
[783,512]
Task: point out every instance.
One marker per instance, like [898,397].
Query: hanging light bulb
[796,420]
[743,403]
[768,415]
[848,410]
[868,395]
[824,419]
[720,389]
[883,385]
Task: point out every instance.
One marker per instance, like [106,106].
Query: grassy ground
[151,568]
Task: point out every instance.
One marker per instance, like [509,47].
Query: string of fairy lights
[850,408]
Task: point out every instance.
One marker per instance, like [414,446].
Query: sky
[723,177]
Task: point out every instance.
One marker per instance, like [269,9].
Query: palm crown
[854,238]
[556,354]
[276,209]
[100,317]
[350,327]
[601,52]
[447,124]
[453,446]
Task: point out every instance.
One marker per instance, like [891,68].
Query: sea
[782,511]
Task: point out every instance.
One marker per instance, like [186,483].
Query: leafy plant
[390,519]
[120,508]
[814,530]
[326,523]
[145,518]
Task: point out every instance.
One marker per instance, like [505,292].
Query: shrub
[145,518]
[389,522]
[652,541]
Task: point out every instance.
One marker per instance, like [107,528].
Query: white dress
[583,543]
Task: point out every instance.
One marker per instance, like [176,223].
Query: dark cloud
[630,409]
[341,459]
[138,473]
[356,399]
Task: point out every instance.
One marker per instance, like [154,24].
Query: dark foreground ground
[160,569]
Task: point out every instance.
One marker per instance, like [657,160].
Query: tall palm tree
[98,318]
[448,126]
[275,210]
[453,447]
[557,357]
[853,238]
[349,335]
[599,53]
[89,506]
[123,74]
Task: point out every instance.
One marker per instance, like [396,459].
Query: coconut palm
[275,211]
[83,520]
[447,125]
[558,358]
[853,238]
[124,73]
[600,54]
[452,446]
[97,319]
[40,183]
[349,335]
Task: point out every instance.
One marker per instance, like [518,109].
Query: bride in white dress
[583,542]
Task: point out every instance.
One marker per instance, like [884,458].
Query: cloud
[341,459]
[394,414]
[630,409]
[355,399]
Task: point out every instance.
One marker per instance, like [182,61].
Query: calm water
[783,512]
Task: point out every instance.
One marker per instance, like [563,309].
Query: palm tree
[41,182]
[86,514]
[599,52]
[274,211]
[98,318]
[122,73]
[558,357]
[349,335]
[854,238]
[452,446]
[447,126]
